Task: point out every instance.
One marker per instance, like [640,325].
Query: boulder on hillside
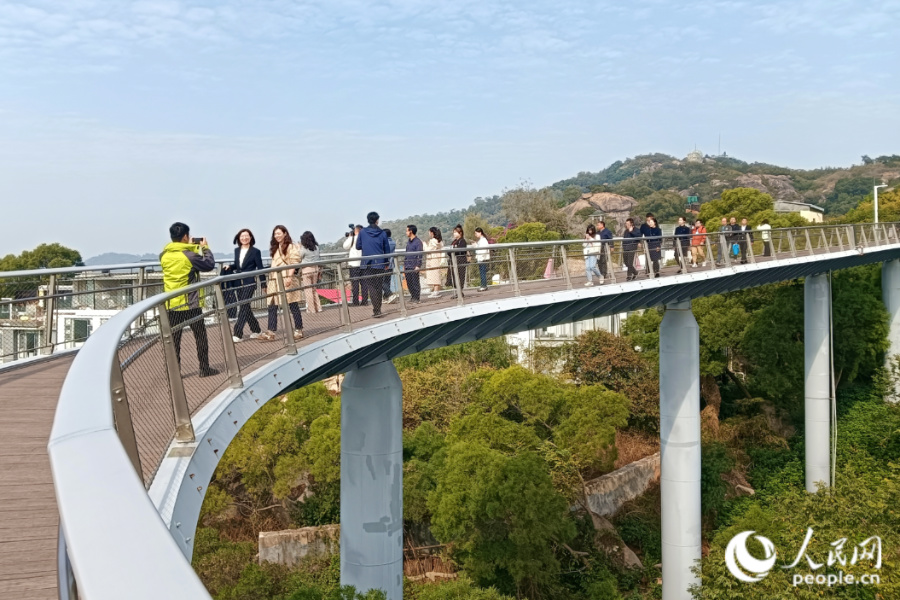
[779,187]
[615,207]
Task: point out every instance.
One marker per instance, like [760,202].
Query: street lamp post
[876,200]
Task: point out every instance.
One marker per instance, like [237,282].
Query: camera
[352,228]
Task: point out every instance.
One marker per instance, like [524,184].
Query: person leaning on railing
[182,261]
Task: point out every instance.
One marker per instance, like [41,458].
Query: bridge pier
[372,480]
[890,295]
[817,362]
[679,433]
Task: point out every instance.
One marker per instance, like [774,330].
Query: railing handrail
[86,453]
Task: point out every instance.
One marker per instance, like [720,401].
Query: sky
[118,118]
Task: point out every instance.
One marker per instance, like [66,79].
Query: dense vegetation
[660,183]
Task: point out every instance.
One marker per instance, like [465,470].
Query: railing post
[790,237]
[122,414]
[513,274]
[454,277]
[344,309]
[851,236]
[726,249]
[139,292]
[750,252]
[709,253]
[184,429]
[862,234]
[231,362]
[49,320]
[840,239]
[808,241]
[286,313]
[894,231]
[610,267]
[825,240]
[564,256]
[647,264]
[401,298]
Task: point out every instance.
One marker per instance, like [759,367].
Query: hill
[660,183]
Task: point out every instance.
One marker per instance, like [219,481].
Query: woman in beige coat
[283,253]
[435,262]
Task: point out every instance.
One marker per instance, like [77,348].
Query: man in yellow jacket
[182,262]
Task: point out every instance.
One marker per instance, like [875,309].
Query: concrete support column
[817,355]
[679,433]
[372,480]
[890,295]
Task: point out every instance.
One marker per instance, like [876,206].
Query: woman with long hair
[247,258]
[434,262]
[309,252]
[462,260]
[591,250]
[284,253]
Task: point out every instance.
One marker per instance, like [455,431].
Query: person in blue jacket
[373,241]
[606,245]
[645,232]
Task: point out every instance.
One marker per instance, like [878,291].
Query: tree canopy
[45,256]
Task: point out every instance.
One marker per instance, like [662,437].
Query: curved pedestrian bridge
[136,436]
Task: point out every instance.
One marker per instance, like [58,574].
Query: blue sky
[117,118]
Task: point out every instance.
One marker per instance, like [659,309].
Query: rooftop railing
[130,393]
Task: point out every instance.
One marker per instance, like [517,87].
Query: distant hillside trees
[45,256]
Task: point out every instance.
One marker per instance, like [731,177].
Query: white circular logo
[736,553]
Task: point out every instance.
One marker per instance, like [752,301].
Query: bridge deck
[28,397]
[28,515]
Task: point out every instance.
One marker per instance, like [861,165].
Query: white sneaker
[588,284]
[434,295]
[703,264]
[391,299]
[253,336]
[236,339]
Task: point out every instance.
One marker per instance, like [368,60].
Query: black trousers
[414,285]
[230,294]
[295,312]
[374,283]
[743,246]
[629,262]
[245,311]
[602,262]
[357,285]
[460,273]
[176,319]
[767,248]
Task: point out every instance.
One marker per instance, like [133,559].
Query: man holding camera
[182,261]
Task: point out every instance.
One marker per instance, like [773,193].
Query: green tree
[530,232]
[666,205]
[45,256]
[888,208]
[502,515]
[737,202]
[526,204]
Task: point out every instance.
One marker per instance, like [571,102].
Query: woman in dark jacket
[629,248]
[654,244]
[462,261]
[247,258]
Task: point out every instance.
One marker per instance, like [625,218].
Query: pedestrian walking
[766,235]
[682,244]
[182,261]
[645,232]
[698,244]
[412,263]
[654,244]
[389,285]
[724,241]
[629,248]
[462,260]
[744,237]
[284,253]
[606,243]
[591,251]
[247,258]
[373,242]
[482,257]
[434,262]
[310,274]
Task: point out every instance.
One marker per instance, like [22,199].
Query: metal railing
[159,376]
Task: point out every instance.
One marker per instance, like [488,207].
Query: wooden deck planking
[28,514]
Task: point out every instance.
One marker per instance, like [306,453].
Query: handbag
[735,249]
